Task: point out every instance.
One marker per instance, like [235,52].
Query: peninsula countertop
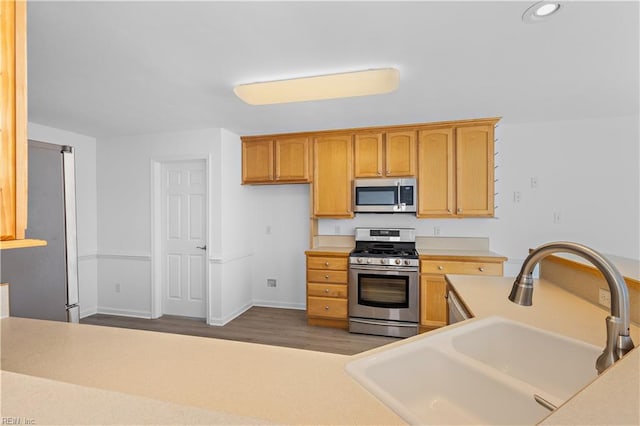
[270,383]
[154,377]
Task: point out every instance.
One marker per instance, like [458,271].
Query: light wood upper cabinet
[400,154]
[435,172]
[13,123]
[332,170]
[257,161]
[474,171]
[385,154]
[455,177]
[292,159]
[275,160]
[368,155]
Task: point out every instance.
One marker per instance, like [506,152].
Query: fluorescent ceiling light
[332,86]
[540,11]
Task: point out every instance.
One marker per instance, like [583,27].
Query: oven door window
[383,291]
[377,196]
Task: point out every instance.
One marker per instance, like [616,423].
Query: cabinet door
[435,173]
[368,155]
[400,156]
[474,171]
[292,159]
[433,305]
[13,121]
[332,158]
[257,161]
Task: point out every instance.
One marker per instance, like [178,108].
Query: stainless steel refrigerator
[43,281]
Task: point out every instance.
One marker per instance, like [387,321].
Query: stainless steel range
[383,282]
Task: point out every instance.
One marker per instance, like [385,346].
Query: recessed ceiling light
[332,86]
[540,11]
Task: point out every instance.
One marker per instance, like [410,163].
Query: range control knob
[384,261]
[407,262]
[398,261]
[369,260]
[360,260]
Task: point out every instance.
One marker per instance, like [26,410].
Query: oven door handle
[384,268]
[379,322]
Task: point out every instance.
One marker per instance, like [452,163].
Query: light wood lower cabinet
[327,293]
[433,287]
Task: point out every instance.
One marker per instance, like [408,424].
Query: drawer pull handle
[326,308]
[326,290]
[326,263]
[326,277]
[440,267]
[481,269]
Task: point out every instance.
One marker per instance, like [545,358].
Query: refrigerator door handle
[68,165]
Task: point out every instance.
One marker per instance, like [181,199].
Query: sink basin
[555,363]
[481,372]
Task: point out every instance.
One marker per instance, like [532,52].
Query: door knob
[204,247]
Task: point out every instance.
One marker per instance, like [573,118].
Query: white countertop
[270,383]
[146,376]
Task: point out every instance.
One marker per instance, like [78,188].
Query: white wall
[587,171]
[279,224]
[87,225]
[125,234]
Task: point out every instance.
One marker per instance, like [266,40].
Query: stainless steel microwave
[385,195]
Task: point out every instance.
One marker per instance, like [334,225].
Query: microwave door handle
[398,197]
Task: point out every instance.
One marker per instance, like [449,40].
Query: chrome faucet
[618,340]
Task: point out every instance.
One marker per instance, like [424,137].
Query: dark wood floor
[269,326]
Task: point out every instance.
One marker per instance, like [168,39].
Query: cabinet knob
[448,210]
[481,269]
[326,277]
[326,263]
[379,173]
[326,308]
[326,290]
[440,267]
[459,210]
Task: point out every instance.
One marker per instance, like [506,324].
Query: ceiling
[125,68]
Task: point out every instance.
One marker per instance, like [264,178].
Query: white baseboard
[276,304]
[230,317]
[88,312]
[124,312]
[212,321]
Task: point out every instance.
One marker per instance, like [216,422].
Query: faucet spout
[618,340]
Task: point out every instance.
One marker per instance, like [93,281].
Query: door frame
[156,230]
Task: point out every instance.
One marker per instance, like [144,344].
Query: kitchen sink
[555,363]
[481,372]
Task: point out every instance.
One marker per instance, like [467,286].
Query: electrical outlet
[534,182]
[604,297]
[336,230]
[516,196]
[556,217]
[117,287]
[271,282]
[436,231]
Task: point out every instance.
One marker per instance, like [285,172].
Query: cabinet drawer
[335,263]
[453,267]
[315,276]
[327,290]
[327,307]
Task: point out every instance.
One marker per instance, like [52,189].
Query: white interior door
[183,214]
